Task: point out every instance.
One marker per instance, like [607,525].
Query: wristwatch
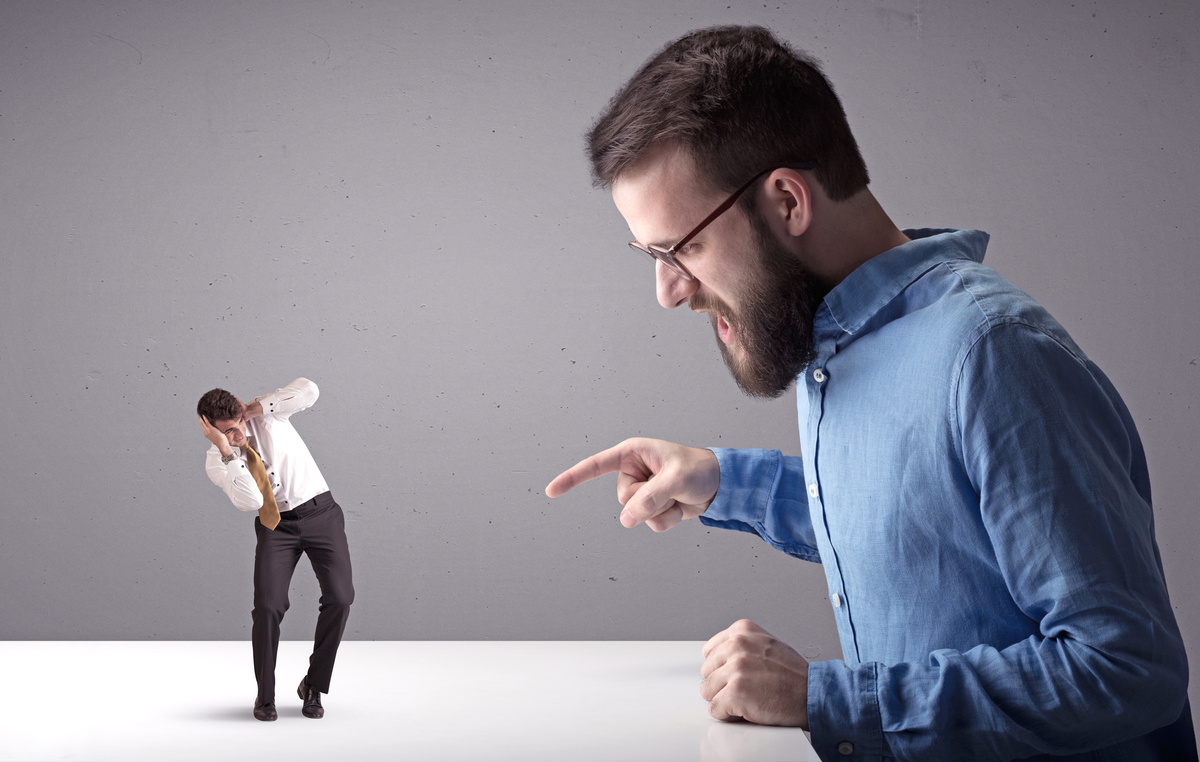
[228,458]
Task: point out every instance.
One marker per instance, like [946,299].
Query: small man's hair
[219,405]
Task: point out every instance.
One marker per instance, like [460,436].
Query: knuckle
[737,684]
[738,663]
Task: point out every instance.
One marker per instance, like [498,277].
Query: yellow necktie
[269,513]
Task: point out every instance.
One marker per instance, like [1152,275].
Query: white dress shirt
[290,467]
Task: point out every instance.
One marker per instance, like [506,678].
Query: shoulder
[1024,367]
[995,316]
[999,301]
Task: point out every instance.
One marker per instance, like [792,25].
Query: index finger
[585,470]
[713,642]
[740,627]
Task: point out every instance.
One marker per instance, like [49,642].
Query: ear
[786,202]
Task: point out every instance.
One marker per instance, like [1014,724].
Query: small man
[259,460]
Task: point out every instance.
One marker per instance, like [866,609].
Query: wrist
[226,452]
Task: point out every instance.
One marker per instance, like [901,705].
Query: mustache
[710,303]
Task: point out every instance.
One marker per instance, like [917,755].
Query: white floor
[395,700]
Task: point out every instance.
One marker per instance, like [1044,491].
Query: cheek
[729,292]
[737,275]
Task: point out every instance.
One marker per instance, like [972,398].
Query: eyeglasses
[667,256]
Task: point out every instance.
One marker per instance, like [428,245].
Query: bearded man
[972,484]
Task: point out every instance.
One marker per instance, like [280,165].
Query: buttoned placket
[276,486]
[817,382]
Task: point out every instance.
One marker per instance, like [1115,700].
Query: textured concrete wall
[391,199]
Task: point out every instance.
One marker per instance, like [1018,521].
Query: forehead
[227,424]
[662,197]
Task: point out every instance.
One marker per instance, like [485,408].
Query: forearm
[1040,696]
[235,481]
[296,396]
[763,492]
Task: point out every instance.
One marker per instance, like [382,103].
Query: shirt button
[845,748]
[836,600]
[819,376]
[813,491]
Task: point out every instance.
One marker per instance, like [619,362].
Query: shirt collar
[877,281]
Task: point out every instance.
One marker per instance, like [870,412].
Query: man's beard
[774,325]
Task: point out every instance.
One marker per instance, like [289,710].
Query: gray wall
[391,199]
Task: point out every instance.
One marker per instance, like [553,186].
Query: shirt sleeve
[1064,494]
[762,492]
[296,396]
[234,479]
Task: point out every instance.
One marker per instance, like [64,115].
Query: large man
[259,460]
[972,484]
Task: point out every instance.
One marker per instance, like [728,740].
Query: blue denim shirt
[978,496]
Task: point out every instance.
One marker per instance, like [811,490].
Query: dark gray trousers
[318,529]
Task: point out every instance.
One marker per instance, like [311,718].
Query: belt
[323,500]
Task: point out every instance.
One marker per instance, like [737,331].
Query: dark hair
[219,405]
[738,101]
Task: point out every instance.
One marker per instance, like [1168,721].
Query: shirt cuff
[268,402]
[746,480]
[843,711]
[759,495]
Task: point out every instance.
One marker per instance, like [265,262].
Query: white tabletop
[394,700]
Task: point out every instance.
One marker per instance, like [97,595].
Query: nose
[672,288]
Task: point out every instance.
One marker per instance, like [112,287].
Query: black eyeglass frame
[667,256]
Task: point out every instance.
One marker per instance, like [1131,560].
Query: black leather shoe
[265,712]
[312,700]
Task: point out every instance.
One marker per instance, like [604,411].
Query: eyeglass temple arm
[732,199]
